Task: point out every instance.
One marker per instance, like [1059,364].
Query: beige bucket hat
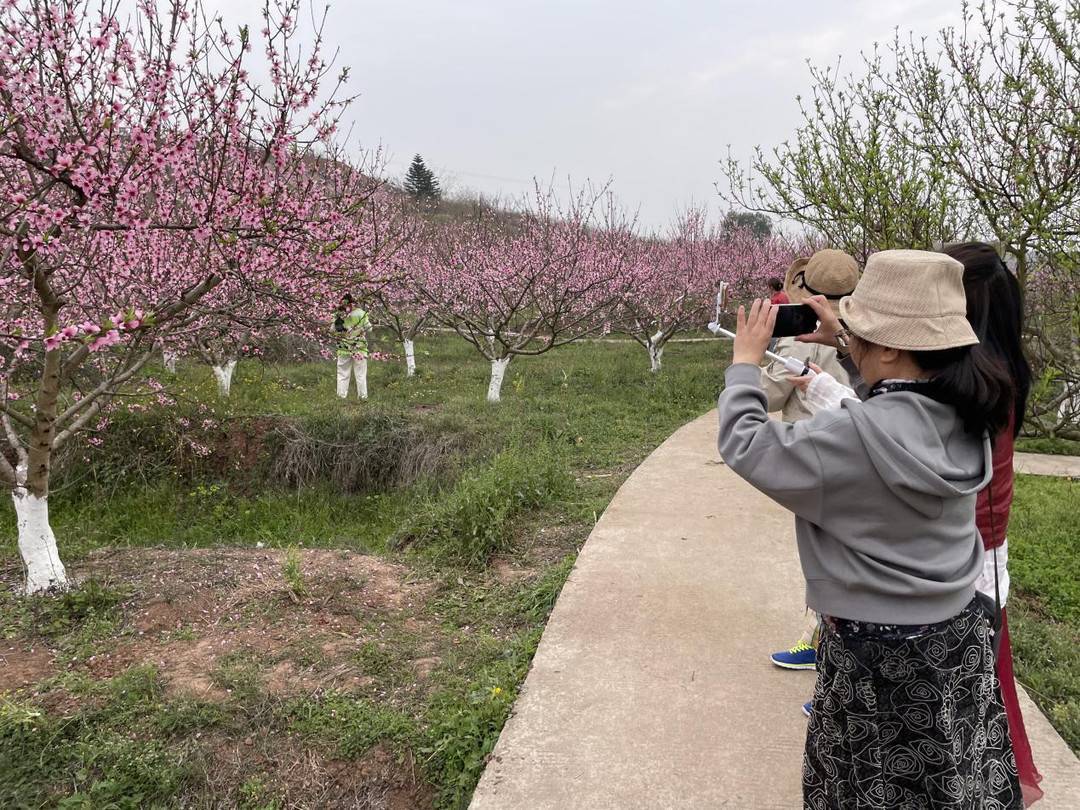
[910,299]
[831,273]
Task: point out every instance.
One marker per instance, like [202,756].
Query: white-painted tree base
[37,544]
[1069,409]
[169,359]
[224,374]
[410,358]
[656,355]
[498,373]
[656,351]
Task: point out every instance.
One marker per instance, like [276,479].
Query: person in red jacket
[995,311]
[776,292]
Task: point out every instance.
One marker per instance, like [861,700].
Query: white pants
[985,583]
[354,367]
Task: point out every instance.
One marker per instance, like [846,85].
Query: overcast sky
[495,92]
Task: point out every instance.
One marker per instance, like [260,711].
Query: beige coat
[785,397]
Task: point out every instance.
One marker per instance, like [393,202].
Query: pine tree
[420,182]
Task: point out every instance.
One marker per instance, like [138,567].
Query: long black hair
[995,309]
[974,382]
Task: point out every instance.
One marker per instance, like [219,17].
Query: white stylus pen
[792,364]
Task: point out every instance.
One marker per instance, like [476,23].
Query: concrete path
[652,686]
[1039,464]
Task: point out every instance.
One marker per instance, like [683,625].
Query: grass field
[1054,447]
[336,606]
[1044,609]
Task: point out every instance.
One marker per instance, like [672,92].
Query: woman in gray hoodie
[907,710]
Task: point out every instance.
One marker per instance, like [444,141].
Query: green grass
[1044,606]
[1054,447]
[186,516]
[426,473]
[113,751]
[588,408]
[475,519]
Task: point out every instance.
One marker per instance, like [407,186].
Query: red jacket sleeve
[994,502]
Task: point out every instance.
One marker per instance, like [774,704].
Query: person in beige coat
[834,274]
[831,273]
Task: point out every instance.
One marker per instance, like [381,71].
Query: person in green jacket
[350,326]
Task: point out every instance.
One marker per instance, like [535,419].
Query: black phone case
[794,319]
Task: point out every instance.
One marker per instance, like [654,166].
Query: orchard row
[155,196]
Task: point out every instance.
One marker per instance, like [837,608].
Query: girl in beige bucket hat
[912,300]
[907,710]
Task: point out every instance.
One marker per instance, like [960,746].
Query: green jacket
[351,332]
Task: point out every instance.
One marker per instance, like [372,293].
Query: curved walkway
[1039,464]
[652,687]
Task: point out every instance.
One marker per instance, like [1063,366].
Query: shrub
[473,520]
[349,453]
[354,455]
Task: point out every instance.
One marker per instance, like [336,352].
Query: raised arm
[775,457]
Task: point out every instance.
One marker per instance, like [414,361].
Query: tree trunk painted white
[169,358]
[1069,409]
[37,543]
[498,372]
[223,375]
[656,351]
[410,358]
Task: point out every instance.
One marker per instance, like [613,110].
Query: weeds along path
[652,685]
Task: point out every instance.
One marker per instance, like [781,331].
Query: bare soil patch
[193,614]
[22,666]
[305,779]
[190,609]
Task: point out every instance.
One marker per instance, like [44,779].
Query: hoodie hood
[934,459]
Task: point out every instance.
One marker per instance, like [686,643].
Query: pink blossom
[110,338]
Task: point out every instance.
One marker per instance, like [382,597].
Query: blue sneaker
[808,707]
[801,656]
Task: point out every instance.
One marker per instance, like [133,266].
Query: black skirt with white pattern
[909,717]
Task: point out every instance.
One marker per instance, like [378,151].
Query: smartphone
[794,319]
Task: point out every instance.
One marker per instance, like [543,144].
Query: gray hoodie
[883,493]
